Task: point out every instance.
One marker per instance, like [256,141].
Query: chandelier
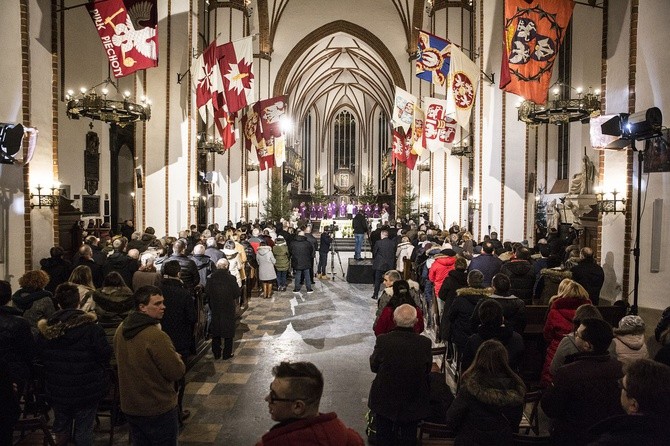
[561,110]
[121,111]
[209,143]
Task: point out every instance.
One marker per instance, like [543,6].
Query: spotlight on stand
[11,142]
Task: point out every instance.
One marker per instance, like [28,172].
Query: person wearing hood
[461,310]
[233,258]
[521,274]
[492,326]
[32,300]
[148,366]
[629,340]
[75,354]
[457,279]
[266,269]
[56,267]
[282,261]
[489,403]
[120,262]
[203,262]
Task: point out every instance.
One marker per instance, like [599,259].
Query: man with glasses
[645,392]
[585,391]
[293,401]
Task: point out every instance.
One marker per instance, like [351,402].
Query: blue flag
[432,64]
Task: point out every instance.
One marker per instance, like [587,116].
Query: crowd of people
[125,308]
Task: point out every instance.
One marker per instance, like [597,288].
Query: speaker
[656,235]
[360,271]
[139,177]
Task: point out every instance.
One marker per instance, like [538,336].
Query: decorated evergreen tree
[368,194]
[318,196]
[406,204]
[278,204]
[540,214]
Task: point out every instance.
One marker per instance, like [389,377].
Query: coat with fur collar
[75,354]
[486,411]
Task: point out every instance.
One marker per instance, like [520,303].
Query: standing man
[589,274]
[222,291]
[400,394]
[324,247]
[360,229]
[383,259]
[189,270]
[148,367]
[302,259]
[293,401]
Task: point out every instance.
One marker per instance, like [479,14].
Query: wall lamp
[608,202]
[195,200]
[45,200]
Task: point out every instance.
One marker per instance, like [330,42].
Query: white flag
[462,89]
[439,130]
[403,109]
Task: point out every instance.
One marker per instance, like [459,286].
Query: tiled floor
[331,327]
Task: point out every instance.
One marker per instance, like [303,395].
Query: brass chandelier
[90,104]
[561,110]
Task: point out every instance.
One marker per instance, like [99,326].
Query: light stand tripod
[334,251]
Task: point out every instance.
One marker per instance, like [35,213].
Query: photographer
[324,246]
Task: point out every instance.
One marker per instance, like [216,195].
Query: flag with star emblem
[237,78]
[462,86]
[432,63]
[206,79]
[533,32]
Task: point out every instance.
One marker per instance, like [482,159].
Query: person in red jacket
[439,270]
[562,309]
[293,401]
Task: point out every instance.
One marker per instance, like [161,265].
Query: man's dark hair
[67,295]
[501,284]
[171,268]
[490,313]
[487,247]
[56,252]
[179,246]
[598,333]
[143,295]
[114,279]
[522,253]
[649,383]
[5,292]
[305,379]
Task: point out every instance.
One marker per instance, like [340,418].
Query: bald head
[405,316]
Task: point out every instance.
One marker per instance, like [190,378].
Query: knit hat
[630,324]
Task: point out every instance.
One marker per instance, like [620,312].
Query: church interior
[156,152]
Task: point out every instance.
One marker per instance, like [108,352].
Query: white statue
[554,216]
[580,183]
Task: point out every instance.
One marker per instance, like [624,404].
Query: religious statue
[581,182]
[554,216]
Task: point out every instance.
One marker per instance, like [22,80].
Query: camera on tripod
[332,228]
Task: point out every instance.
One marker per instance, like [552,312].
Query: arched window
[344,141]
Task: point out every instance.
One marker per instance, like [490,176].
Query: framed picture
[90,205]
[657,153]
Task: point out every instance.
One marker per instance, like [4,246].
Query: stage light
[637,126]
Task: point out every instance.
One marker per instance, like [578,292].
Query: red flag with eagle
[128,31]
[225,124]
[462,88]
[533,32]
[253,137]
[235,64]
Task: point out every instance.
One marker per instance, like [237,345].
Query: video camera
[331,228]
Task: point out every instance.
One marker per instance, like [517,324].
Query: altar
[345,226]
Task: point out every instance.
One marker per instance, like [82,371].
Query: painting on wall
[657,153]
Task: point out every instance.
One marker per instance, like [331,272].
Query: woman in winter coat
[266,269]
[548,280]
[561,312]
[83,278]
[489,404]
[282,261]
[402,251]
[401,295]
[439,270]
[629,340]
[111,303]
[32,299]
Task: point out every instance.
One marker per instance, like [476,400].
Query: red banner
[128,33]
[533,32]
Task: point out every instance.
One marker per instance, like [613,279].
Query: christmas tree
[278,204]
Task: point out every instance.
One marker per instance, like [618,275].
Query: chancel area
[358,144]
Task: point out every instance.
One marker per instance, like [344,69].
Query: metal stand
[334,251]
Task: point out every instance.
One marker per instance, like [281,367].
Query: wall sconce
[252,167]
[426,205]
[250,203]
[45,200]
[473,203]
[608,202]
[195,201]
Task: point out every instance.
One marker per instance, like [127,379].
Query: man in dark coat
[585,391]
[120,262]
[487,262]
[302,259]
[400,395]
[189,271]
[178,320]
[76,355]
[383,259]
[360,227]
[589,274]
[203,262]
[86,258]
[315,244]
[521,274]
[325,241]
[645,392]
[222,292]
[514,309]
[17,345]
[56,267]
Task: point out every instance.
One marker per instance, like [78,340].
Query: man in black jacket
[189,271]
[360,227]
[302,259]
[56,267]
[222,293]
[383,259]
[178,320]
[17,345]
[75,355]
[400,396]
[589,274]
[120,262]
